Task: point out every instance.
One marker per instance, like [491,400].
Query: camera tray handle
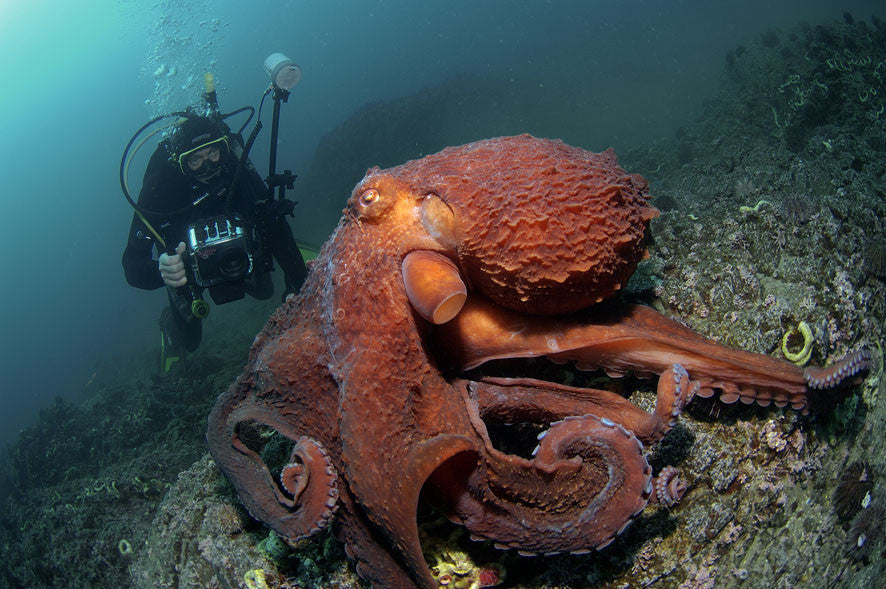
[188,296]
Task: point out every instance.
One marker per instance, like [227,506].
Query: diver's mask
[204,162]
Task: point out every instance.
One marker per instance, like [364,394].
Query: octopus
[506,248]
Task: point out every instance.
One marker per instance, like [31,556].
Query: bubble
[181,37]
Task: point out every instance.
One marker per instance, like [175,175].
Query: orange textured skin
[546,228]
[349,370]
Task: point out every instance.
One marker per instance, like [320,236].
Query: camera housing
[220,250]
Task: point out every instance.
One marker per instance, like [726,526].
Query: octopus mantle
[495,249]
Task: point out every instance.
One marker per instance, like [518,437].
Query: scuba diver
[206,220]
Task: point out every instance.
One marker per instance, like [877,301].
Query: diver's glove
[172,267]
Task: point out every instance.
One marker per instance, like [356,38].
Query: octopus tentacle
[511,400]
[668,487]
[629,338]
[311,479]
[674,393]
[828,377]
[588,477]
[372,560]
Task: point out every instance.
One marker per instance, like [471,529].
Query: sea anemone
[665,203]
[797,208]
[867,530]
[856,482]
[744,189]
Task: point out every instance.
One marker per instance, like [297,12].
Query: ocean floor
[773,213]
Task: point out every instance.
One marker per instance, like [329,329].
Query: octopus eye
[369,196]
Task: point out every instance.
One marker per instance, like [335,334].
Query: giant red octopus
[502,248]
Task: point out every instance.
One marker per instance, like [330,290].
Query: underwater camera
[219,250]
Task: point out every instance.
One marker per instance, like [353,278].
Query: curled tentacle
[674,392]
[589,478]
[311,478]
[513,400]
[669,487]
[828,377]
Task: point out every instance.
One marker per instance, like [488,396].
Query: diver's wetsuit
[165,189]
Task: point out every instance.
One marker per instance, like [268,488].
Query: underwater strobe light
[284,72]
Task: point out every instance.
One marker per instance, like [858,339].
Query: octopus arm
[847,369]
[586,483]
[307,496]
[391,502]
[630,337]
[513,400]
[368,549]
[304,498]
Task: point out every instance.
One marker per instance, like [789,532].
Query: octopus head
[534,225]
[403,216]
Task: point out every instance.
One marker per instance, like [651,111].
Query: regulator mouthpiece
[284,72]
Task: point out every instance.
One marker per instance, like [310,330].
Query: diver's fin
[169,353]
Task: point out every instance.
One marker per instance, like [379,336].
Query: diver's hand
[172,268]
